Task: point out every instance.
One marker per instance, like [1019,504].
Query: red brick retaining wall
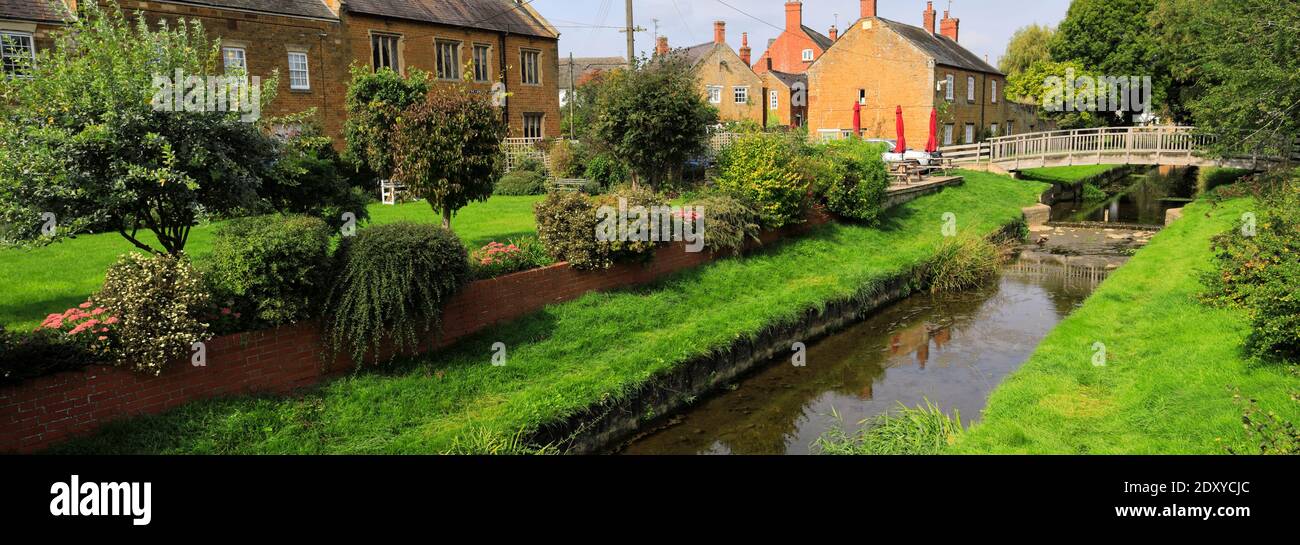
[41,412]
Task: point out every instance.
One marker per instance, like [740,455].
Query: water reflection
[1145,200]
[952,349]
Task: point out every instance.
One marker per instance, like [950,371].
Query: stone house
[883,64]
[724,76]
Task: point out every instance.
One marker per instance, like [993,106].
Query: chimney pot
[661,47]
[720,32]
[793,16]
[745,51]
[835,33]
[868,8]
[928,17]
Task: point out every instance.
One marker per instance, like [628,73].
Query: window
[775,99]
[17,52]
[970,133]
[1011,127]
[741,94]
[715,94]
[448,55]
[533,125]
[993,129]
[952,82]
[862,97]
[299,76]
[970,88]
[482,63]
[808,55]
[234,58]
[947,134]
[530,63]
[995,91]
[383,51]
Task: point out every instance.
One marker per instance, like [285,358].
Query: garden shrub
[392,284]
[499,259]
[274,268]
[531,164]
[1261,273]
[607,171]
[567,159]
[728,223]
[857,180]
[766,169]
[567,225]
[961,263]
[47,351]
[157,301]
[521,182]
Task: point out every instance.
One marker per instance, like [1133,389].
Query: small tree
[447,149]
[654,118]
[88,139]
[375,102]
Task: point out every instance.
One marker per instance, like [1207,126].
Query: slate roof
[300,8]
[790,79]
[498,15]
[569,73]
[51,11]
[697,53]
[945,51]
[821,39]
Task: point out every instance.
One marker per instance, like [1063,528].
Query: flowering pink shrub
[497,259]
[89,325]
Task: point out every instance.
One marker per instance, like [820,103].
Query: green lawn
[41,281]
[1067,174]
[569,356]
[1173,364]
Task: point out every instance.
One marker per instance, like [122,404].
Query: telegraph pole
[631,31]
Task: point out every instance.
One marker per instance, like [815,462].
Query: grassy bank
[1067,175]
[573,355]
[1172,366]
[54,278]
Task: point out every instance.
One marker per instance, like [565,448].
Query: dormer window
[808,55]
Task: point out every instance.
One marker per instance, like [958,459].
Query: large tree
[654,118]
[1113,38]
[1028,45]
[93,141]
[447,149]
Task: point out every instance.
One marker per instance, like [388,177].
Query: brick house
[884,64]
[786,98]
[312,44]
[724,76]
[797,47]
[26,26]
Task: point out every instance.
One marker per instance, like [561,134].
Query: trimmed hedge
[521,183]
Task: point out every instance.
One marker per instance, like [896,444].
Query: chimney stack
[720,32]
[835,33]
[334,6]
[928,17]
[949,26]
[744,49]
[661,47]
[868,8]
[793,16]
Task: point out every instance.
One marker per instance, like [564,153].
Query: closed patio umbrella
[933,145]
[857,119]
[902,139]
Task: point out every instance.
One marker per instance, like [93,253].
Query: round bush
[857,180]
[392,284]
[153,303]
[567,226]
[521,182]
[728,223]
[273,268]
[764,168]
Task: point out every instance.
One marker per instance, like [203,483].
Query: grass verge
[573,355]
[54,278]
[1067,175]
[1172,365]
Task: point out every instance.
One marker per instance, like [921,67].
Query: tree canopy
[1028,45]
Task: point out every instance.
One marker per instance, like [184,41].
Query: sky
[590,28]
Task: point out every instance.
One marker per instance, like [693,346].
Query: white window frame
[540,119]
[995,91]
[741,94]
[394,57]
[447,59]
[9,35]
[485,66]
[226,57]
[530,73]
[993,129]
[952,83]
[970,133]
[948,131]
[1011,128]
[715,94]
[809,55]
[774,100]
[305,84]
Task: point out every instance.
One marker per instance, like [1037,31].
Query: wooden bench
[390,193]
[571,185]
[904,173]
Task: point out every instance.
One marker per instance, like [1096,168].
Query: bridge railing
[1102,141]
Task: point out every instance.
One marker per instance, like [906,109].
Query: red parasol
[933,145]
[857,119]
[902,139]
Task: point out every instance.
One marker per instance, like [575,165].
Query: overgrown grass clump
[570,356]
[914,431]
[962,263]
